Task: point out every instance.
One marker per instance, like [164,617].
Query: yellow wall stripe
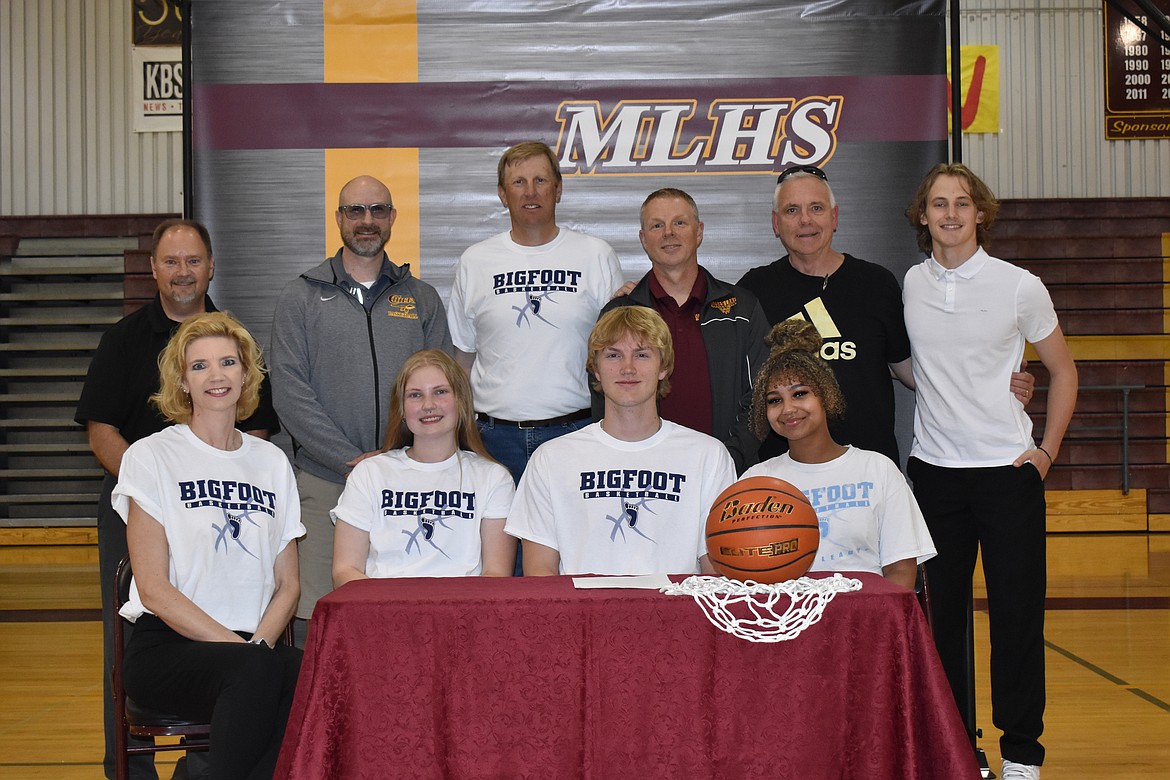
[374,41]
[371,41]
[1152,347]
[398,169]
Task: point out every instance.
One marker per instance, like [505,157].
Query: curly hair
[981,196]
[795,358]
[398,435]
[171,400]
[645,325]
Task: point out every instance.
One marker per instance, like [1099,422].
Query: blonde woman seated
[211,517]
[433,502]
[868,517]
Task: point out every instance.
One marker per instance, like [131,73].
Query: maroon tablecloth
[528,677]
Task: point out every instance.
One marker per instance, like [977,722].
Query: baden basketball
[762,529]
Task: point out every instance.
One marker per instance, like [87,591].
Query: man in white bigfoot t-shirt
[630,493]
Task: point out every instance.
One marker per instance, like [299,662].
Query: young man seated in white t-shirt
[628,494]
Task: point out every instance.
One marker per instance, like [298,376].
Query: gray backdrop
[263,117]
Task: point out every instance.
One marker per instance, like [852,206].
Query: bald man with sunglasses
[340,333]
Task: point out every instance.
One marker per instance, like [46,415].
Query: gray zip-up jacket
[336,351]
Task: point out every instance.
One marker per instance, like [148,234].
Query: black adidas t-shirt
[858,313]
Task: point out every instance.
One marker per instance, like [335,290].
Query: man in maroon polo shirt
[718,328]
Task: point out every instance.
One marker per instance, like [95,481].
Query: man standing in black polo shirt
[718,329]
[116,411]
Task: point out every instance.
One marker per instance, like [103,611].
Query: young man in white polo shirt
[978,474]
[628,494]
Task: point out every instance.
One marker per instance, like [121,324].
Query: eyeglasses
[810,169]
[356,211]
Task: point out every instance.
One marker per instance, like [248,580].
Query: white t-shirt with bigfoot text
[227,516]
[616,507]
[424,518]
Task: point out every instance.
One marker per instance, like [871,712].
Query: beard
[185,294]
[364,245]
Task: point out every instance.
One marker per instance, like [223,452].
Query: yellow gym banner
[980,89]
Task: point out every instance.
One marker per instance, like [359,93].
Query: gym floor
[1108,636]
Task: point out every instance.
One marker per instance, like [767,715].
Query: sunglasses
[356,211]
[811,169]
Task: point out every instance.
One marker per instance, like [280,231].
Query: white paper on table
[645,581]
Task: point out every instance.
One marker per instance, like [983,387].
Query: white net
[720,598]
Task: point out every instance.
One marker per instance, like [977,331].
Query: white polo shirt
[967,329]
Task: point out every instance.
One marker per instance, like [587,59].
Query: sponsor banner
[290,102]
[158,89]
[979,87]
[1137,73]
[1122,127]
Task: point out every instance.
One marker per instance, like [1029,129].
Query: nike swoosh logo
[331,297]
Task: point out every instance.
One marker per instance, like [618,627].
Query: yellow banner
[398,170]
[371,41]
[980,89]
[374,41]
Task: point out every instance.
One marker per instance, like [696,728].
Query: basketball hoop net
[808,599]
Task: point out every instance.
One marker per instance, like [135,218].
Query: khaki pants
[318,496]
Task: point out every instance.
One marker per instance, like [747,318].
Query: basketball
[762,529]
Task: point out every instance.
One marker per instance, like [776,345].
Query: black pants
[111,533]
[1001,511]
[245,691]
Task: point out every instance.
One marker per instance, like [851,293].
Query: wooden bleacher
[63,281]
[1106,263]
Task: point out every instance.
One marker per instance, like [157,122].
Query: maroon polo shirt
[689,401]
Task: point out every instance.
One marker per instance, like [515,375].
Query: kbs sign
[761,135]
[158,89]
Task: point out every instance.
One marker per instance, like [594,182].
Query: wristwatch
[259,640]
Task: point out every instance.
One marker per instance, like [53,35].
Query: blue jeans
[513,447]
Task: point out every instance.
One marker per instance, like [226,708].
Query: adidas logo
[833,348]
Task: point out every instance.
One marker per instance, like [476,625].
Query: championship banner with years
[291,99]
[1137,73]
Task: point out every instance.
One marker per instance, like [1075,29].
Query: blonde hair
[981,196]
[171,400]
[664,193]
[398,435]
[645,325]
[524,151]
[795,357]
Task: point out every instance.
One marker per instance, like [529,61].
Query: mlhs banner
[291,99]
